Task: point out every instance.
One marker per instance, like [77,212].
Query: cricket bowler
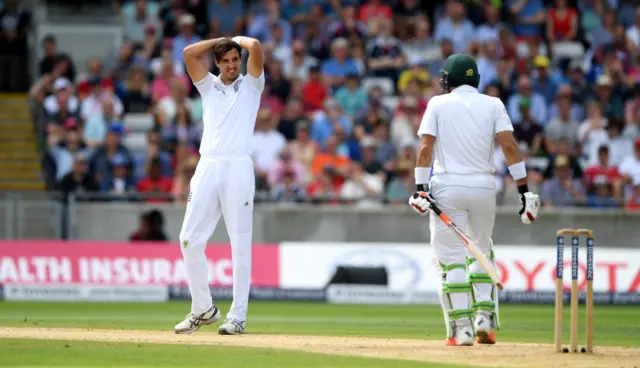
[459,127]
[223,183]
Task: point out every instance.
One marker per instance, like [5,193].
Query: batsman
[459,128]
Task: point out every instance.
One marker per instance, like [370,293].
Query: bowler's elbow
[254,46]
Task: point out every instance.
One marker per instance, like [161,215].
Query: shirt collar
[465,88]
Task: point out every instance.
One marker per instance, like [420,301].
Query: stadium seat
[568,50]
[136,141]
[386,84]
[138,122]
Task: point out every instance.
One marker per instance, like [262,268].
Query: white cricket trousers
[473,210]
[220,186]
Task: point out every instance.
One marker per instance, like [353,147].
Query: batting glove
[530,206]
[421,200]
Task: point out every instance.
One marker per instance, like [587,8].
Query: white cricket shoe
[464,336]
[192,323]
[232,326]
[483,329]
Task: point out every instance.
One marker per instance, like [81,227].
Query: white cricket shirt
[229,114]
[465,123]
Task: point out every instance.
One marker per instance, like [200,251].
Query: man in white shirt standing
[224,182]
[465,124]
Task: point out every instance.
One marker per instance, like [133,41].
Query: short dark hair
[603,149]
[224,46]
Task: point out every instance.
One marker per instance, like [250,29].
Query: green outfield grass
[614,325]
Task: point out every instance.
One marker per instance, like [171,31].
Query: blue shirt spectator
[352,97]
[530,16]
[226,15]
[543,84]
[185,38]
[135,18]
[323,124]
[455,27]
[336,69]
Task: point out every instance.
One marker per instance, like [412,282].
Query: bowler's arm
[192,54]
[255,63]
[510,148]
[427,132]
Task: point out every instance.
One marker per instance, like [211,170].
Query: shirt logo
[219,88]
[469,73]
[236,87]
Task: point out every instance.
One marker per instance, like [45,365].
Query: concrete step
[22,165]
[22,185]
[19,155]
[14,145]
[19,175]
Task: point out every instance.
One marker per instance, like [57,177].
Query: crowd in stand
[347,85]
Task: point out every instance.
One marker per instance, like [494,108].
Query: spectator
[287,189]
[232,19]
[330,157]
[351,97]
[153,150]
[335,69]
[260,26]
[303,149]
[300,64]
[446,50]
[633,32]
[630,168]
[62,147]
[348,27]
[578,82]
[286,164]
[155,184]
[298,14]
[167,108]
[562,22]
[279,85]
[402,186]
[293,115]
[135,16]
[562,128]
[543,84]
[161,85]
[62,103]
[602,172]
[563,149]
[15,21]
[455,27]
[186,37]
[489,31]
[528,131]
[620,147]
[52,58]
[613,105]
[78,180]
[385,151]
[100,160]
[538,105]
[325,188]
[169,15]
[592,132]
[95,129]
[564,92]
[361,187]
[562,189]
[118,181]
[374,10]
[368,146]
[136,96]
[120,64]
[488,64]
[151,47]
[603,33]
[415,73]
[150,227]
[94,69]
[93,105]
[528,17]
[602,194]
[421,46]
[281,50]
[323,125]
[402,125]
[632,114]
[182,131]
[267,143]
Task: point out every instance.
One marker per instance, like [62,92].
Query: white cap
[61,83]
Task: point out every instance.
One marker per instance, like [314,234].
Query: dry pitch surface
[502,354]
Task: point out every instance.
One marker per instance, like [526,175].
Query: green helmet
[457,70]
